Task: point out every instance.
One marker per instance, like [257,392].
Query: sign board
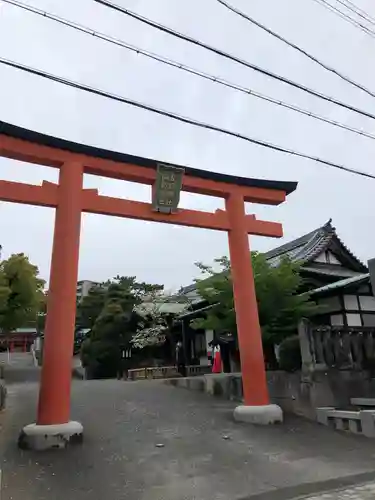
[167,188]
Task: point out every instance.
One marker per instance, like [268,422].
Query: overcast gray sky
[164,253]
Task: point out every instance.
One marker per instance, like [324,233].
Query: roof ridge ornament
[329,227]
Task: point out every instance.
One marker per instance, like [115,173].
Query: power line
[180,118]
[344,16]
[360,9]
[294,46]
[357,10]
[220,52]
[180,66]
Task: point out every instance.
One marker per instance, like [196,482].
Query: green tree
[90,307]
[139,290]
[280,305]
[4,295]
[21,303]
[114,322]
[42,313]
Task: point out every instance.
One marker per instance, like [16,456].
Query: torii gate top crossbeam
[33,147]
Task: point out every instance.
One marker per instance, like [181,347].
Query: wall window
[337,320]
[209,338]
[351,302]
[368,319]
[353,319]
[200,344]
[367,303]
[330,304]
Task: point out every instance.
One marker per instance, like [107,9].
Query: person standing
[180,359]
[217,366]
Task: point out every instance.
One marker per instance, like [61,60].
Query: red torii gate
[53,426]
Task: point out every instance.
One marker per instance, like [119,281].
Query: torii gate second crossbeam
[53,427]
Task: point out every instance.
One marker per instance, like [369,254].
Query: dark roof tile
[306,249]
[303,246]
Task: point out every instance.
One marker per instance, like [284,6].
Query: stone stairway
[20,368]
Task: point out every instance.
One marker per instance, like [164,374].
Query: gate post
[53,427]
[256,408]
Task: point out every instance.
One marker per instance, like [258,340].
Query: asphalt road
[149,441]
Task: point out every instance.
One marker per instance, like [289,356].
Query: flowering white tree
[153,328]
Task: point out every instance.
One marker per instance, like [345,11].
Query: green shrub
[100,358]
[290,354]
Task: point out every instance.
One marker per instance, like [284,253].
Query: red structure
[18,341]
[69,199]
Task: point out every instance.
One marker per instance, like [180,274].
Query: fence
[166,372]
[350,348]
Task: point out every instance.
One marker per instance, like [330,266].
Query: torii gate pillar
[53,427]
[257,408]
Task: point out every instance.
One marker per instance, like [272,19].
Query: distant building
[19,340]
[83,288]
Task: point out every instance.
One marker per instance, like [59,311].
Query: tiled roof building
[324,257]
[336,279]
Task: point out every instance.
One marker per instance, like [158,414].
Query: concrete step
[344,414]
[366,402]
[356,422]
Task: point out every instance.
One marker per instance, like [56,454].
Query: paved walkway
[18,359]
[149,441]
[19,367]
[363,492]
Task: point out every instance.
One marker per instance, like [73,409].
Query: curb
[320,487]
